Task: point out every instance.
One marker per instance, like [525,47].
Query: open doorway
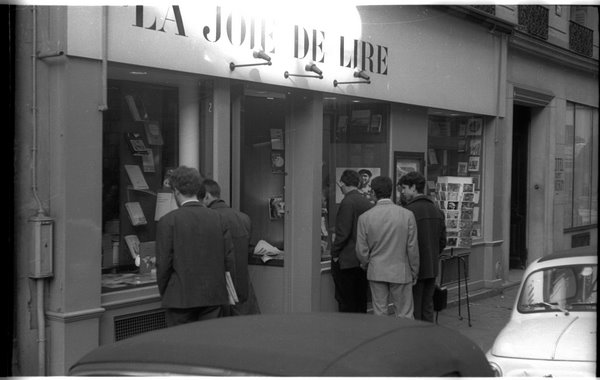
[518,198]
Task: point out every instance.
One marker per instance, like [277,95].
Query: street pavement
[489,314]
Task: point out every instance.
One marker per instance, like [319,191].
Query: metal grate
[581,39]
[533,19]
[130,325]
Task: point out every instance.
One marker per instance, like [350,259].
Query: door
[518,199]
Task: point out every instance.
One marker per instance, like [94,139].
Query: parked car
[552,329]
[295,344]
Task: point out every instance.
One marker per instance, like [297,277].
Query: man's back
[351,207]
[191,257]
[387,235]
[432,233]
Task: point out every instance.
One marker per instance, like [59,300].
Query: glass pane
[355,136]
[594,173]
[572,288]
[568,164]
[140,140]
[582,167]
[262,169]
[455,148]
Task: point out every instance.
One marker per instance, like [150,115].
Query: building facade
[497,105]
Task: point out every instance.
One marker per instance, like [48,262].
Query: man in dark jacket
[193,252]
[350,280]
[240,228]
[431,234]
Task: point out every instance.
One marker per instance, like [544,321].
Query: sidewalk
[490,310]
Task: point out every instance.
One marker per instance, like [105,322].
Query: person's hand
[335,259]
[363,266]
[414,280]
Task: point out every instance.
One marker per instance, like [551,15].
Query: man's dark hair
[212,187]
[413,178]
[365,171]
[382,187]
[186,180]
[350,178]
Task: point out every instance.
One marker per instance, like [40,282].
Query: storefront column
[304,141]
[73,127]
[221,143]
[189,124]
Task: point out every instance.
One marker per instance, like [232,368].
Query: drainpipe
[104,106]
[41,323]
[41,256]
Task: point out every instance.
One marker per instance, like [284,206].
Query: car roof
[570,253]
[295,344]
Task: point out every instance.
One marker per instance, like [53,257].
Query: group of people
[390,249]
[196,245]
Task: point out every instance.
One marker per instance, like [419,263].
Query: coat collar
[419,197]
[218,203]
[192,204]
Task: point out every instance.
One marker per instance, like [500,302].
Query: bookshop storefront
[274,112]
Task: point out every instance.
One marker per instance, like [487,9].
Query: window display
[139,147]
[262,169]
[576,169]
[355,136]
[455,150]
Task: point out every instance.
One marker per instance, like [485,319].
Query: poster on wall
[276,207]
[338,173]
[455,196]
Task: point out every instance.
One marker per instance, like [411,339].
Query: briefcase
[440,298]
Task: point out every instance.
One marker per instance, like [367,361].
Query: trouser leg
[402,298]
[379,297]
[351,289]
[427,300]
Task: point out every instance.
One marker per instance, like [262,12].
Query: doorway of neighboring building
[518,199]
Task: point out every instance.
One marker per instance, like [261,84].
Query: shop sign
[230,27]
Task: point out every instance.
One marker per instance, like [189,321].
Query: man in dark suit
[351,286]
[431,233]
[240,227]
[193,251]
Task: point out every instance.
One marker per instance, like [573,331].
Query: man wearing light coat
[387,248]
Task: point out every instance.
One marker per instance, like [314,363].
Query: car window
[564,288]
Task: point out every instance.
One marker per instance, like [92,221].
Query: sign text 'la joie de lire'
[258,34]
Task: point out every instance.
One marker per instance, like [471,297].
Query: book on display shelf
[136,177]
[136,214]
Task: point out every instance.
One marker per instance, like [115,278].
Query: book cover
[165,203]
[136,214]
[133,243]
[136,177]
[233,298]
[153,133]
[133,109]
[147,256]
[136,144]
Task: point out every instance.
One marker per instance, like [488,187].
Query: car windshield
[565,288]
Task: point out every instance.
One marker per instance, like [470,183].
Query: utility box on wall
[40,262]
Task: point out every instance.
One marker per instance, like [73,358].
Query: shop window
[262,169]
[355,136]
[140,146]
[577,172]
[454,173]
